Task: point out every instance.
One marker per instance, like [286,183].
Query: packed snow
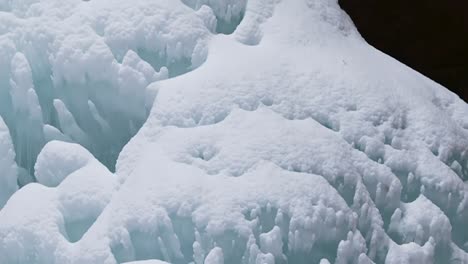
[221,132]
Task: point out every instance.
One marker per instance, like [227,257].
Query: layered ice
[290,140]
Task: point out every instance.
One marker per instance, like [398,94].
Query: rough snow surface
[290,140]
[82,67]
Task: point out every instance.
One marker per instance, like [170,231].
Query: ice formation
[83,68]
[271,133]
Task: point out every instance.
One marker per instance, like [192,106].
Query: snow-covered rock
[290,140]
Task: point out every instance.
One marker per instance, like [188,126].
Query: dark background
[427,35]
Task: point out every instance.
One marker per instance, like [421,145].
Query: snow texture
[82,67]
[253,132]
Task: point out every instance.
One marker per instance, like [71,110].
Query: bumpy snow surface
[271,132]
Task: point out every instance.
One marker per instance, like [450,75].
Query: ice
[28,117]
[55,215]
[411,253]
[290,140]
[68,125]
[83,68]
[420,220]
[52,133]
[272,242]
[9,173]
[352,249]
[154,261]
[228,13]
[215,256]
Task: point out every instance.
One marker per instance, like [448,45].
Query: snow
[411,253]
[290,140]
[37,219]
[154,261]
[83,68]
[57,160]
[215,256]
[272,242]
[420,220]
[8,179]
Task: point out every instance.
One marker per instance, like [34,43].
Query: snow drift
[290,140]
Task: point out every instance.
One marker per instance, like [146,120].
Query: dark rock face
[429,36]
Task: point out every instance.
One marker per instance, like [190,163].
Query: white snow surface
[290,140]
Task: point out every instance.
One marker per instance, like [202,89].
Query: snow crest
[290,140]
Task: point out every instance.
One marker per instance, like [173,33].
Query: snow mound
[37,219]
[57,160]
[289,141]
